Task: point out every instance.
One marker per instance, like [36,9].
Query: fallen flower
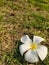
[34,50]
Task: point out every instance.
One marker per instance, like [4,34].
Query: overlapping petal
[25,39]
[37,39]
[31,56]
[42,52]
[23,48]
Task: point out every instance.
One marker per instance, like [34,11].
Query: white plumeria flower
[33,49]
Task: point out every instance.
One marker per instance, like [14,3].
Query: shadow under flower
[19,59]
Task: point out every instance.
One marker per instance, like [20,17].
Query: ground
[18,18]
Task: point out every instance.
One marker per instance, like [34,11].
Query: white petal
[42,52]
[23,48]
[26,39]
[37,39]
[31,57]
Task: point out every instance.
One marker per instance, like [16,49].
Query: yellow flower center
[33,46]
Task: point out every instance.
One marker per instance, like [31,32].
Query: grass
[17,18]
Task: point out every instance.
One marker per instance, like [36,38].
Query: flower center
[33,46]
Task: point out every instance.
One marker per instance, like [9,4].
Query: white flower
[33,49]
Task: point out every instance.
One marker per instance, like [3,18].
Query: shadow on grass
[19,59]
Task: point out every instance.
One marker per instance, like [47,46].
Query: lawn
[18,18]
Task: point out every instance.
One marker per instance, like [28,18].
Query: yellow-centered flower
[33,49]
